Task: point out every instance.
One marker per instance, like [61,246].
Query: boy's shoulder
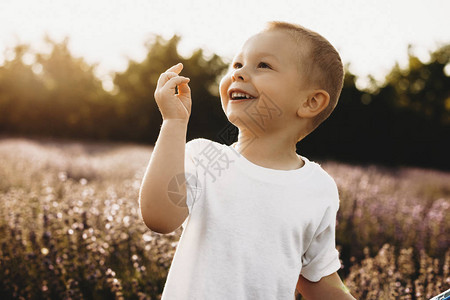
[324,182]
[319,181]
[200,144]
[198,141]
[324,174]
[197,145]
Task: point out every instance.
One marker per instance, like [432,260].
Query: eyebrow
[264,54]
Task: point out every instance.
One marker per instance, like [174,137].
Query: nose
[239,74]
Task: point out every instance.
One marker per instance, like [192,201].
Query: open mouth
[240,96]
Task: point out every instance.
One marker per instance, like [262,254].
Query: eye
[264,65]
[237,65]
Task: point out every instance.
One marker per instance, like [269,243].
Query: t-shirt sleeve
[191,176]
[321,257]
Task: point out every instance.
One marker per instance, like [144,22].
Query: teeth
[240,95]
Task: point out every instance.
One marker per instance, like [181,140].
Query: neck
[269,151]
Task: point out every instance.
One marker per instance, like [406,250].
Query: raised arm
[159,213]
[329,287]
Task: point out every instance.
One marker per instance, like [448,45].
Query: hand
[171,104]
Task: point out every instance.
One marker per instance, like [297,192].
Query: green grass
[70,225]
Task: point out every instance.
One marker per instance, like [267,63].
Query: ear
[316,102]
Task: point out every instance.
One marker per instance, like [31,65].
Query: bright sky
[371,35]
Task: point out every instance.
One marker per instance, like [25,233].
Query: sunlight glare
[37,69]
[9,54]
[422,53]
[362,83]
[447,70]
[28,59]
[108,85]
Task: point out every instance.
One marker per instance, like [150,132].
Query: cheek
[277,89]
[224,85]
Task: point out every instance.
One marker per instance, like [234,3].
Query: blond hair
[320,63]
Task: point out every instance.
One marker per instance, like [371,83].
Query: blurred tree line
[404,121]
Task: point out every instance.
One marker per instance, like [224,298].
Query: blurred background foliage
[402,121]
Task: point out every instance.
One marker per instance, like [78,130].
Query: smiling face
[265,71]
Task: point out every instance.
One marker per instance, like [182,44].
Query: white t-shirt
[251,230]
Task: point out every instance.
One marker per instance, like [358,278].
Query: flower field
[70,226]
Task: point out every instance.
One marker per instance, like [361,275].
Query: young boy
[258,219]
